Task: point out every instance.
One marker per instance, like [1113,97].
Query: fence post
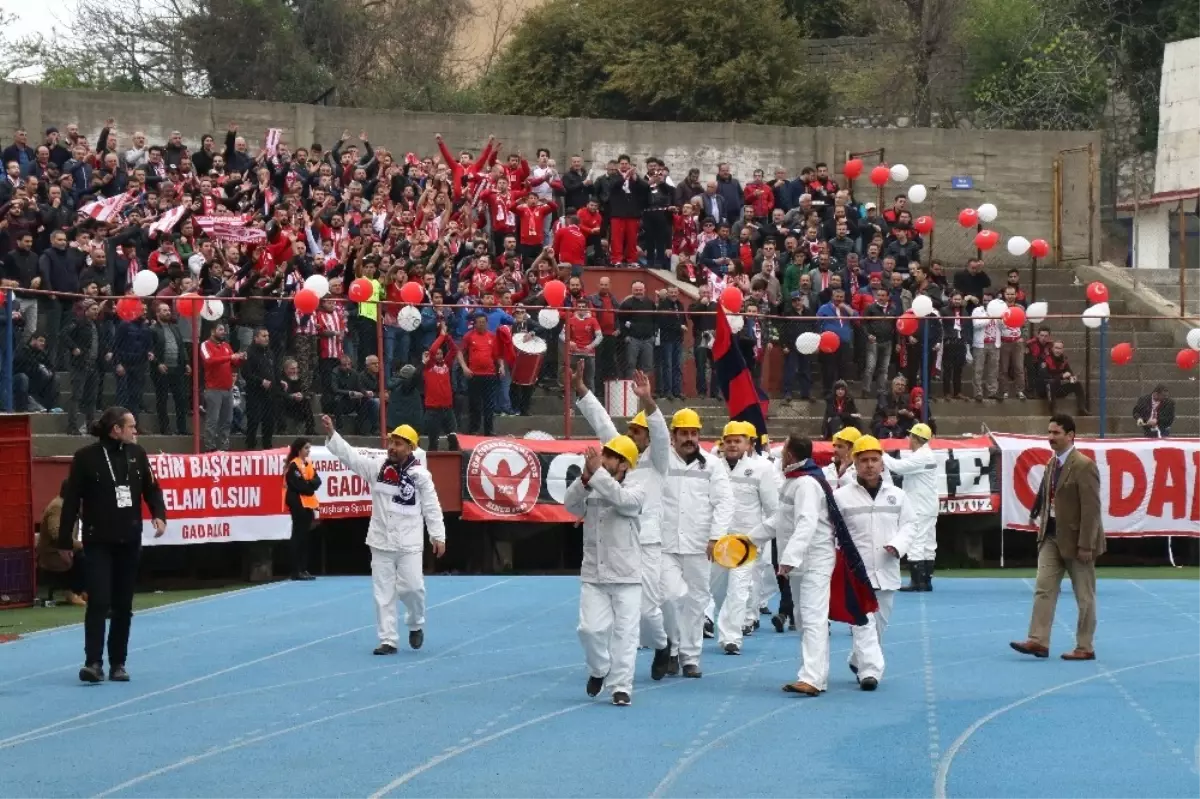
[381,382]
[1103,377]
[10,304]
[1087,365]
[566,349]
[196,442]
[1093,168]
[1182,260]
[1056,209]
[925,323]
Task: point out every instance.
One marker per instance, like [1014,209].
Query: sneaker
[385,649]
[92,672]
[594,686]
[416,638]
[692,670]
[118,674]
[621,699]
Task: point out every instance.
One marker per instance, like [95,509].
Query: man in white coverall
[881,523]
[697,510]
[920,473]
[404,502]
[610,597]
[755,488]
[648,431]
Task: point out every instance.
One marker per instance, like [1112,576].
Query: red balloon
[1097,292]
[130,308]
[1187,359]
[853,168]
[829,342]
[361,290]
[880,175]
[1014,316]
[189,304]
[307,301]
[1038,248]
[923,224]
[968,217]
[986,239]
[731,299]
[412,292]
[555,291]
[1122,353]
[906,324]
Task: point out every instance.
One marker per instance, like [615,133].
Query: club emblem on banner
[504,477]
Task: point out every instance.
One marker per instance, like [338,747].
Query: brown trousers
[1051,568]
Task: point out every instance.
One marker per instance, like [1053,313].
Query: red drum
[531,349]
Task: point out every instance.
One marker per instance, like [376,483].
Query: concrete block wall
[1010,168]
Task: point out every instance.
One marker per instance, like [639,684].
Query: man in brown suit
[1070,538]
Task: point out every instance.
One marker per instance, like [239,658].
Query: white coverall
[651,475]
[697,509]
[764,585]
[610,596]
[920,472]
[886,520]
[804,536]
[403,502]
[754,484]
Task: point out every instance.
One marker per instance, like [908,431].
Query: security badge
[124,497]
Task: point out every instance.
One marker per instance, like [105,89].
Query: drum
[531,349]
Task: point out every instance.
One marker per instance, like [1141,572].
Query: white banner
[1149,487]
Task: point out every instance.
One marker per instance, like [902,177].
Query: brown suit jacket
[1077,508]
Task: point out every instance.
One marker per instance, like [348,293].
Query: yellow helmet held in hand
[640,420]
[848,435]
[866,444]
[921,430]
[624,447]
[686,419]
[734,550]
[407,433]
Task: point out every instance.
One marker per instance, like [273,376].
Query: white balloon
[145,283]
[988,213]
[917,193]
[899,173]
[807,343]
[996,308]
[408,319]
[1193,338]
[736,322]
[317,284]
[922,305]
[1101,310]
[548,318]
[538,435]
[1095,315]
[1036,313]
[1018,245]
[212,310]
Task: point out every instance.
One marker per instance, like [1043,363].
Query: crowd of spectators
[481,234]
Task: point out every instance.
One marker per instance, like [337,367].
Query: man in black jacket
[107,484]
[171,371]
[636,322]
[259,374]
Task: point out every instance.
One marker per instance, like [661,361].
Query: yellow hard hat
[406,432]
[921,430]
[640,420]
[866,444]
[847,434]
[734,550]
[738,429]
[686,419]
[623,446]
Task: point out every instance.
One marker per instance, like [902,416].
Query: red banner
[525,480]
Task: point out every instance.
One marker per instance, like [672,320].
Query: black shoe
[748,631]
[662,659]
[732,649]
[306,576]
[708,629]
[118,674]
[673,666]
[777,623]
[868,683]
[914,577]
[764,611]
[927,573]
[792,625]
[595,685]
[385,649]
[692,671]
[621,699]
[92,672]
[416,638]
[853,669]
[755,625]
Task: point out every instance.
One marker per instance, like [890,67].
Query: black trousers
[176,384]
[954,358]
[111,576]
[481,391]
[787,608]
[437,422]
[302,523]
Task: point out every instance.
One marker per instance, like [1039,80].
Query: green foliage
[828,19]
[697,61]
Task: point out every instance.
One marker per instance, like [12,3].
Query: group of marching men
[654,505]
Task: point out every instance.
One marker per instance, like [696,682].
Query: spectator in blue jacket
[837,316]
[132,351]
[720,253]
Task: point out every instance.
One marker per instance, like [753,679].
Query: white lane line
[931,714]
[1190,616]
[16,739]
[1146,716]
[947,761]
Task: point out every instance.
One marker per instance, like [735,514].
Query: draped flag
[744,399]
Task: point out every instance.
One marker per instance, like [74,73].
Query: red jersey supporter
[570,244]
[438,391]
[481,349]
[532,214]
[219,361]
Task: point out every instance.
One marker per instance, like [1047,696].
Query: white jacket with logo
[697,504]
[403,500]
[652,467]
[886,520]
[754,483]
[800,525]
[610,510]
[920,472]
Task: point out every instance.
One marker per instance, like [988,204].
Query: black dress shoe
[868,683]
[732,649]
[118,674]
[708,629]
[595,685]
[92,672]
[777,623]
[692,671]
[416,638]
[385,649]
[658,666]
[673,666]
[620,699]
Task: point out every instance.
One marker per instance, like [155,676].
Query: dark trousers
[1059,389]
[606,360]
[787,608]
[797,371]
[703,357]
[954,358]
[85,383]
[259,414]
[670,369]
[835,366]
[111,576]
[302,522]
[130,387]
[175,383]
[437,422]
[481,391]
[522,397]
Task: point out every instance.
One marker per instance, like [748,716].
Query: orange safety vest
[307,471]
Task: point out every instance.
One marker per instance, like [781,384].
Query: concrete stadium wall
[1009,168]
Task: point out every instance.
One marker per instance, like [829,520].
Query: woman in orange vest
[301,482]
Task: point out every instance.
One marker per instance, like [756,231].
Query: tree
[828,19]
[674,60]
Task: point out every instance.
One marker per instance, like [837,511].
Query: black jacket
[297,486]
[637,325]
[91,494]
